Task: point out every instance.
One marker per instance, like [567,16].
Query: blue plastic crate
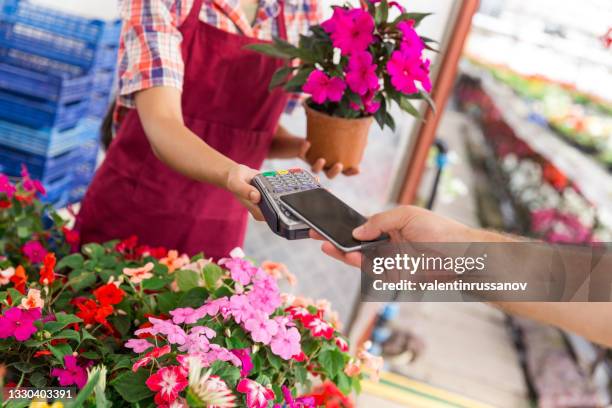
[41,167]
[58,191]
[99,105]
[61,23]
[103,81]
[33,62]
[57,88]
[48,141]
[39,113]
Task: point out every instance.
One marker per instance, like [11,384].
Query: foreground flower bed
[129,324]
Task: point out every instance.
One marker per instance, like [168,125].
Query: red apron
[226,102]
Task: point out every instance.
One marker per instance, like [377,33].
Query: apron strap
[281,22]
[194,14]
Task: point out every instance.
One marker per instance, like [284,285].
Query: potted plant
[353,66]
[132,325]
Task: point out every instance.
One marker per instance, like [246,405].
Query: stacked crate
[56,75]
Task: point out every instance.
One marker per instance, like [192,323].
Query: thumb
[247,192]
[381,223]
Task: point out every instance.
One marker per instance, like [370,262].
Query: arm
[178,147]
[411,224]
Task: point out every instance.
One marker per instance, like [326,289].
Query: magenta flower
[406,70]
[30,185]
[138,345]
[323,88]
[19,323]
[71,374]
[411,42]
[245,358]
[34,251]
[301,402]
[257,396]
[350,30]
[6,187]
[261,328]
[361,73]
[286,343]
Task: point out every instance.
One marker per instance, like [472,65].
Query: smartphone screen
[328,215]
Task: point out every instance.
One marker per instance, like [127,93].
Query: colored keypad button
[283,172]
[269,174]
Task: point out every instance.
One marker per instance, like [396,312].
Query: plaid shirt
[150,49]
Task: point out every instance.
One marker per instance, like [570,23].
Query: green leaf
[344,383]
[3,296]
[16,295]
[122,323]
[429,101]
[269,49]
[417,17]
[356,383]
[382,12]
[38,379]
[86,335]
[295,84]
[409,108]
[332,361]
[79,280]
[131,386]
[68,334]
[24,367]
[87,390]
[90,355]
[93,250]
[61,320]
[279,77]
[156,283]
[167,301]
[194,298]
[59,351]
[187,280]
[212,274]
[74,261]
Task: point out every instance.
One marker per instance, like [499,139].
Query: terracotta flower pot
[337,140]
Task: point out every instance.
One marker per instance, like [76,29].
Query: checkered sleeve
[308,14]
[150,49]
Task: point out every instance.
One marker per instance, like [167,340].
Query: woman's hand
[239,183]
[319,164]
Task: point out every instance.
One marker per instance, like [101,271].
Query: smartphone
[329,216]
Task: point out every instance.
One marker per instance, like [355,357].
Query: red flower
[47,272]
[92,313]
[109,294]
[19,279]
[167,383]
[328,395]
[319,327]
[5,204]
[300,357]
[42,353]
[127,247]
[26,199]
[72,238]
[157,253]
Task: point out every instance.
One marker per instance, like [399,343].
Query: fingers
[351,258]
[353,171]
[315,235]
[394,219]
[334,170]
[304,149]
[256,212]
[318,166]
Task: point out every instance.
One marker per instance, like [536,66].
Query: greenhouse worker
[194,120]
[412,224]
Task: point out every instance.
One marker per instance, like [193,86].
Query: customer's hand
[319,164]
[405,224]
[238,182]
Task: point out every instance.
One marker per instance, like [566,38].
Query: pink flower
[257,396]
[34,251]
[323,88]
[167,383]
[319,327]
[370,105]
[197,340]
[173,333]
[261,328]
[137,275]
[241,308]
[405,70]
[411,42]
[71,374]
[187,315]
[286,343]
[245,359]
[32,300]
[19,323]
[361,73]
[6,187]
[342,344]
[213,307]
[138,345]
[350,30]
[29,184]
[6,275]
[240,269]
